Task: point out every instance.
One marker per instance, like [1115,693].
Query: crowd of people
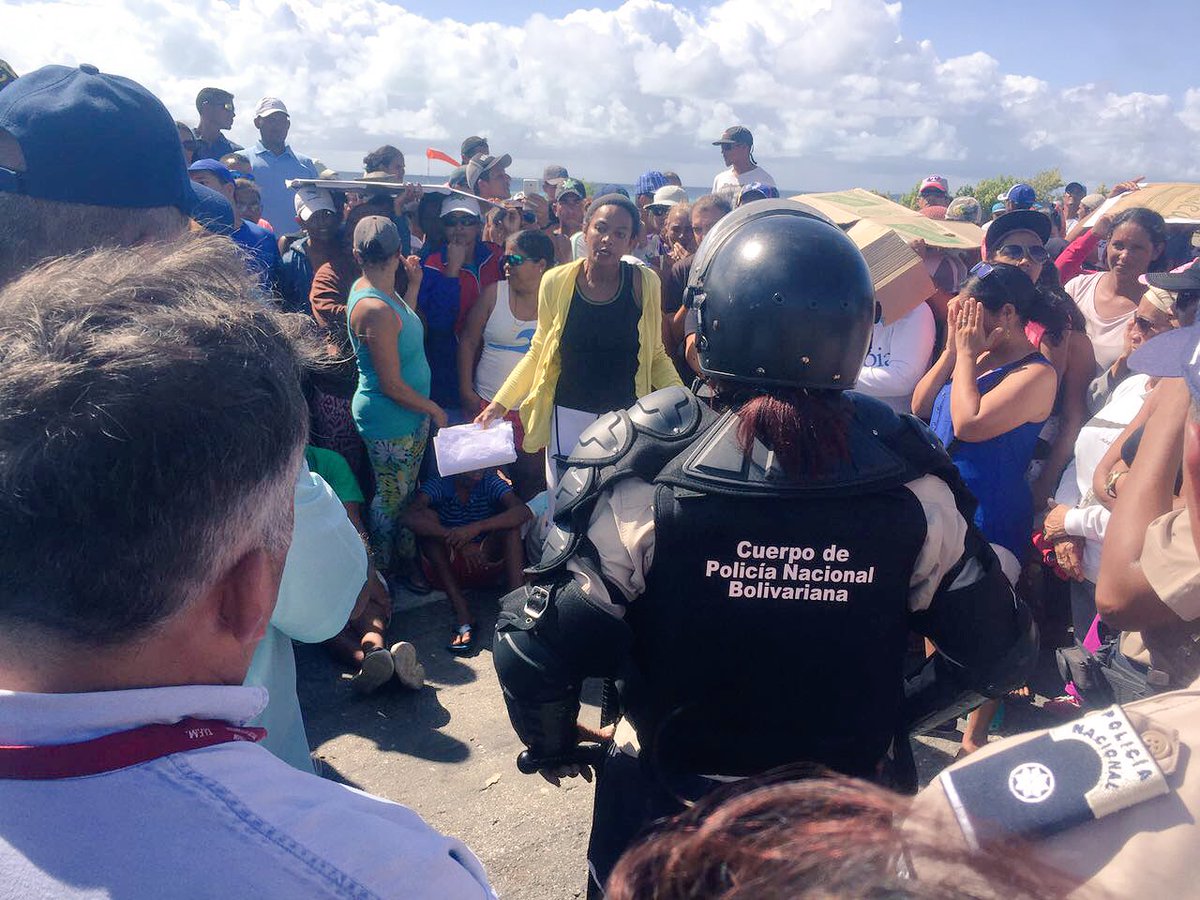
[220,396]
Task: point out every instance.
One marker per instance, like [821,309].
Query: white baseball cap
[667,196]
[268,106]
[458,203]
[312,199]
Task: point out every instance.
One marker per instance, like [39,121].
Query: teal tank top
[378,416]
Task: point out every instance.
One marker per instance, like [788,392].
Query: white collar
[28,718]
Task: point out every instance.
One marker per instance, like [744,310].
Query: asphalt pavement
[449,753]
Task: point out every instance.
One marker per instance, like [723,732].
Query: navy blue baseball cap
[648,182]
[1017,220]
[93,139]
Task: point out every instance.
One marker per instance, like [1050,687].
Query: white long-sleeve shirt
[1088,518]
[899,356]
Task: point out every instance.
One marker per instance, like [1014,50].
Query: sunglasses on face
[460,221]
[227,106]
[515,259]
[1145,326]
[1036,253]
[526,215]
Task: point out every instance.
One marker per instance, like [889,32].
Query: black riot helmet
[783,297]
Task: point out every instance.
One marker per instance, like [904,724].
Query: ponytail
[807,430]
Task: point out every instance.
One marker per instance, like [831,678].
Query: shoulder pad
[915,444]
[604,441]
[924,452]
[873,414]
[668,413]
[921,433]
[560,546]
[576,485]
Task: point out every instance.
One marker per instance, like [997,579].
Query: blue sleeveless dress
[994,469]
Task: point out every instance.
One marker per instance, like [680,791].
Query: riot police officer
[751,576]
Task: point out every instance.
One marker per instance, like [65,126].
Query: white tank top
[1107,335]
[505,340]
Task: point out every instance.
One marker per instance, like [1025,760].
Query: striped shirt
[483,502]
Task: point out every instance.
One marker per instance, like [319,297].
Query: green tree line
[1048,184]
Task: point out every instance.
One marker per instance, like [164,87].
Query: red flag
[430,153]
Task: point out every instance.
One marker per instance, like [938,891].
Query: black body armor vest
[774,623]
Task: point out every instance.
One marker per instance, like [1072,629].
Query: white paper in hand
[464,448]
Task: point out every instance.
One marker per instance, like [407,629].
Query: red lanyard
[120,749]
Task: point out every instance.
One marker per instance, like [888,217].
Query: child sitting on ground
[361,642]
[468,529]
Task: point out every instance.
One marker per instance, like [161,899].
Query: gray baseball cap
[478,165]
[376,236]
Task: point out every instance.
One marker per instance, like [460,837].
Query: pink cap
[937,182]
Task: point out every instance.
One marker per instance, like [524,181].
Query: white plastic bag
[464,448]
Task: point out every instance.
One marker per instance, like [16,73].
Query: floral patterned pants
[397,463]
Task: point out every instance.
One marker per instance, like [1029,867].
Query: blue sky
[837,92]
[1122,45]
[1113,42]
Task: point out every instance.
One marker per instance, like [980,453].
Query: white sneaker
[376,671]
[404,661]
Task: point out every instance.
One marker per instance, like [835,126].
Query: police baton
[581,755]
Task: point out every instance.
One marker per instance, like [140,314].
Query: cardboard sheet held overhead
[899,276]
[847,207]
[1176,201]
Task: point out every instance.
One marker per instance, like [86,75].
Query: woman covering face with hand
[987,397]
[1018,239]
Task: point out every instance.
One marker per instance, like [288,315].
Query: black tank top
[599,350]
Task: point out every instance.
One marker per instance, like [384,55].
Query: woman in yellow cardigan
[598,344]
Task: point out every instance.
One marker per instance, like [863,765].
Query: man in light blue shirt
[142,557]
[273,161]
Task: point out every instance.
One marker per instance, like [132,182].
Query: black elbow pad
[549,638]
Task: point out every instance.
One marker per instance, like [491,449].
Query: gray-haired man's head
[151,421]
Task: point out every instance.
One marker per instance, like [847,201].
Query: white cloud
[833,91]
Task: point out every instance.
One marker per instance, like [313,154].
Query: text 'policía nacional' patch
[1071,774]
[825,572]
